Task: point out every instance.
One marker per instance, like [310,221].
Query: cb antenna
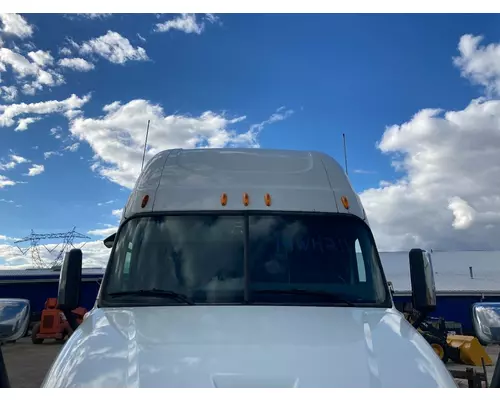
[145,145]
[345,155]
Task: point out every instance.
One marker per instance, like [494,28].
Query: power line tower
[35,238]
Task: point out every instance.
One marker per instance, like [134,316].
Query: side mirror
[14,319]
[486,322]
[423,286]
[109,241]
[68,297]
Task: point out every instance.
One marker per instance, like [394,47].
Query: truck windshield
[245,259]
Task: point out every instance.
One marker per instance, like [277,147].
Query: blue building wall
[455,307]
[37,291]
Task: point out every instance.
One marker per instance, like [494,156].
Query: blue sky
[300,81]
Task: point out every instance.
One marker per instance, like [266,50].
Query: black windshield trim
[387,303]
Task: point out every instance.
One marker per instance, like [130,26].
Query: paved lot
[27,363]
[492,351]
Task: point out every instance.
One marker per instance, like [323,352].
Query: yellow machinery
[460,349]
[471,351]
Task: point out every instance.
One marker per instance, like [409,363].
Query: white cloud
[141,38]
[449,195]
[65,51]
[186,23]
[74,147]
[104,233]
[96,15]
[480,64]
[42,58]
[106,202]
[77,64]
[364,171]
[95,254]
[9,202]
[113,47]
[450,191]
[15,160]
[4,182]
[37,169]
[463,213]
[56,132]
[20,64]
[49,154]
[117,213]
[16,25]
[25,69]
[8,93]
[9,113]
[23,123]
[117,138]
[18,159]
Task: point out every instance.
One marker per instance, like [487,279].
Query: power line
[35,238]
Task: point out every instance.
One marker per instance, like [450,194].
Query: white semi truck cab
[245,268]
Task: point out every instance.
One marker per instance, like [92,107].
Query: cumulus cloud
[117,138]
[113,47]
[449,195]
[104,232]
[36,169]
[31,74]
[4,182]
[117,213]
[74,147]
[65,51]
[77,64]
[23,123]
[42,58]
[8,93]
[16,25]
[480,64]
[96,15]
[14,160]
[186,23]
[48,154]
[95,254]
[10,113]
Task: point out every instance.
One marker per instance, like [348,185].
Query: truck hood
[246,346]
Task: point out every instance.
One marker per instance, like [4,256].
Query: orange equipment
[53,323]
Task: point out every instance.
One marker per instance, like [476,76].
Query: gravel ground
[27,363]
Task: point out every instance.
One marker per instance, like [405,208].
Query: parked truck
[245,268]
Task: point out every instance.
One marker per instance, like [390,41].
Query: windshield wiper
[153,293]
[333,296]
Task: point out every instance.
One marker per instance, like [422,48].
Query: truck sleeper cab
[245,268]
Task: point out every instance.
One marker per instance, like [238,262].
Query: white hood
[247,346]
